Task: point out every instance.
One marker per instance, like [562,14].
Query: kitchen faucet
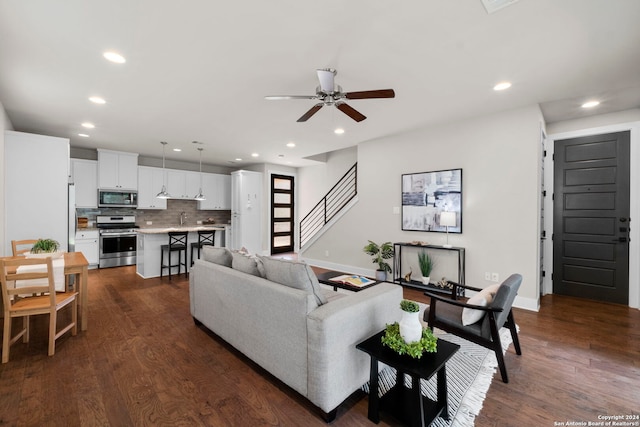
[183,217]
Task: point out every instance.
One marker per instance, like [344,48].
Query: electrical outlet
[495,277]
[487,275]
[149,222]
[199,222]
[326,253]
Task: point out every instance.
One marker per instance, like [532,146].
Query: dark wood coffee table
[325,278]
[407,404]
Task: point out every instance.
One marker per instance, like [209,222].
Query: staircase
[332,204]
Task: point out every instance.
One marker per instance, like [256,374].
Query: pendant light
[200,196]
[163,193]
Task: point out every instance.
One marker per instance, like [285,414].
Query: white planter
[425,280]
[381,275]
[410,327]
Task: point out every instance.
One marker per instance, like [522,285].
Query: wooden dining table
[75,264]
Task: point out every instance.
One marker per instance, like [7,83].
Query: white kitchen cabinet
[87,242]
[117,170]
[150,181]
[182,184]
[217,190]
[36,198]
[246,212]
[84,174]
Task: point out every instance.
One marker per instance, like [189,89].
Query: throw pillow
[294,274]
[483,299]
[216,255]
[245,263]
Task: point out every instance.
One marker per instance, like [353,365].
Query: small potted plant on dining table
[44,248]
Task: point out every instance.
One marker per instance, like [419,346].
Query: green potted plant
[44,248]
[426,266]
[410,326]
[380,253]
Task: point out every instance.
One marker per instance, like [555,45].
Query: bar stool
[177,243]
[205,237]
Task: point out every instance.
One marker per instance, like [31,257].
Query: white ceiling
[199,69]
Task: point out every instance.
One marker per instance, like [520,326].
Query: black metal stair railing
[330,205]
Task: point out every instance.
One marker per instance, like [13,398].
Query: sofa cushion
[482,298]
[216,255]
[294,274]
[246,264]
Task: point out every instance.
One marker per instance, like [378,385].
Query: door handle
[620,240]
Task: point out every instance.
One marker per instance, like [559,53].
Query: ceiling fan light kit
[329,94]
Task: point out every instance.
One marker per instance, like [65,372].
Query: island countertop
[189,228]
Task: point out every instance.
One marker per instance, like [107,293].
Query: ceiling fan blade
[326,77]
[280,97]
[350,111]
[366,94]
[306,116]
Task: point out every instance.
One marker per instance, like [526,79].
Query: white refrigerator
[246,211]
[36,188]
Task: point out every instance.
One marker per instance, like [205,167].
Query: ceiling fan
[331,94]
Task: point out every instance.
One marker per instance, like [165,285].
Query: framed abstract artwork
[426,195]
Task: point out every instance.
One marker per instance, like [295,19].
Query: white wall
[319,179]
[500,158]
[5,124]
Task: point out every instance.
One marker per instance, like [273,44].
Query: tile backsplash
[162,218]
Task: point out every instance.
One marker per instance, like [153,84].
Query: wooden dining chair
[42,299]
[20,243]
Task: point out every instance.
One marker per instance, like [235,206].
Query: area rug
[469,375]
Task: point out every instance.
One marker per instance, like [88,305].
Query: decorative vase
[381,275]
[410,327]
[425,280]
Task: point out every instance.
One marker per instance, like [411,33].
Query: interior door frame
[296,243]
[634,178]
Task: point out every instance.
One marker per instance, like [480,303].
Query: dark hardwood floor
[144,362]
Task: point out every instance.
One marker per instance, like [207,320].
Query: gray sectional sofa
[275,312]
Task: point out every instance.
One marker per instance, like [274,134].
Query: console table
[397,266]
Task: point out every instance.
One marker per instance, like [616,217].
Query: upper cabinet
[182,184]
[84,174]
[217,190]
[117,170]
[150,181]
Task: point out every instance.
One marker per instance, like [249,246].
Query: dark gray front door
[591,217]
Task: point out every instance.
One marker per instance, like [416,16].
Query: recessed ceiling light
[238,159]
[177,149]
[590,104]
[84,135]
[291,144]
[88,125]
[338,131]
[114,57]
[255,155]
[97,100]
[502,86]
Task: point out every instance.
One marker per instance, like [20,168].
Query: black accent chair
[446,313]
[205,237]
[177,243]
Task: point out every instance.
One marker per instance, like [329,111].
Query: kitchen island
[150,240]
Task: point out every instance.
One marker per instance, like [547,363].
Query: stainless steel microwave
[117,199]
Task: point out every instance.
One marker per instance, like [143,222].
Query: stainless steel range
[118,240]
